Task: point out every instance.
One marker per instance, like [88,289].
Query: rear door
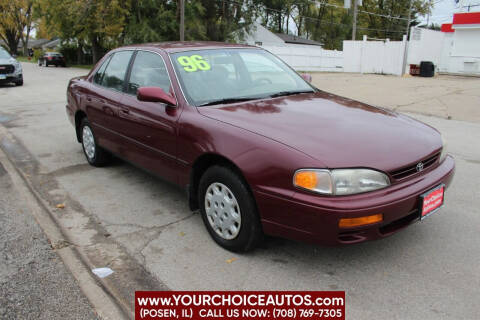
[149,127]
[104,100]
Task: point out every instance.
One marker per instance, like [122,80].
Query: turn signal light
[306,179]
[360,221]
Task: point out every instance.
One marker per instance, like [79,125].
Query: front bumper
[12,77]
[314,218]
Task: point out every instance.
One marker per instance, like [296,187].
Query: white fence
[387,57]
[309,58]
[384,57]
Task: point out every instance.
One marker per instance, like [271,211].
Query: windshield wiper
[289,93]
[227,100]
[241,99]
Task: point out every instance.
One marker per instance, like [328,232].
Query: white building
[461,44]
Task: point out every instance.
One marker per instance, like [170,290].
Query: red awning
[466,18]
[447,27]
[461,21]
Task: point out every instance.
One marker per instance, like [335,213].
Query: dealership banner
[242,305]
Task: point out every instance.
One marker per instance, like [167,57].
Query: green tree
[216,20]
[151,21]
[8,28]
[16,22]
[276,13]
[222,19]
[96,23]
[377,26]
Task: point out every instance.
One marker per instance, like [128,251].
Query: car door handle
[89,99]
[125,110]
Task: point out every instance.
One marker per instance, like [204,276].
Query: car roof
[177,46]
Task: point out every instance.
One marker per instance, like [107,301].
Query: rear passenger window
[148,71]
[114,76]
[101,71]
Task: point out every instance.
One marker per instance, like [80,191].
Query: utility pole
[355,13]
[428,16]
[409,17]
[182,20]
[405,52]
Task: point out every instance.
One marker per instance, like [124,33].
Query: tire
[219,190]
[96,155]
[19,82]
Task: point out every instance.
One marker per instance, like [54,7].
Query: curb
[83,245]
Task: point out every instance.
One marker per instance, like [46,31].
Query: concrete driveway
[449,97]
[428,271]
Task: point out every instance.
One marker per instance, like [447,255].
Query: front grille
[412,169]
[6,68]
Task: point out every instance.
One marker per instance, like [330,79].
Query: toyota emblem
[419,167]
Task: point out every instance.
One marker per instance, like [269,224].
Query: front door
[150,128]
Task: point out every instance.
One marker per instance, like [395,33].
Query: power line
[324,3]
[313,19]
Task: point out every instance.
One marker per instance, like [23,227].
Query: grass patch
[24,59]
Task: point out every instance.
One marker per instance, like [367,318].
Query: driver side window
[148,71]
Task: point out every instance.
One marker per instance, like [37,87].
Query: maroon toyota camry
[257,148]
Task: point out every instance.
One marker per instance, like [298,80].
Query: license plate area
[431,201]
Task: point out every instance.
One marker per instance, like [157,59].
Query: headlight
[340,181]
[18,66]
[444,152]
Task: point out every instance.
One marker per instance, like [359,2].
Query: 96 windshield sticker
[193,63]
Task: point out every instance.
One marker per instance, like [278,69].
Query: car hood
[8,61]
[339,132]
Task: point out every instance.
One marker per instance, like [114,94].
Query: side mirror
[307,77]
[155,94]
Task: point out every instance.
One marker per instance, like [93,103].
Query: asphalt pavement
[428,271]
[34,282]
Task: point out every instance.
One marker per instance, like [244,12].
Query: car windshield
[4,54]
[228,75]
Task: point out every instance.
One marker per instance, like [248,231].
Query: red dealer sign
[242,305]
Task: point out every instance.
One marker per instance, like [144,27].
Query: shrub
[37,53]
